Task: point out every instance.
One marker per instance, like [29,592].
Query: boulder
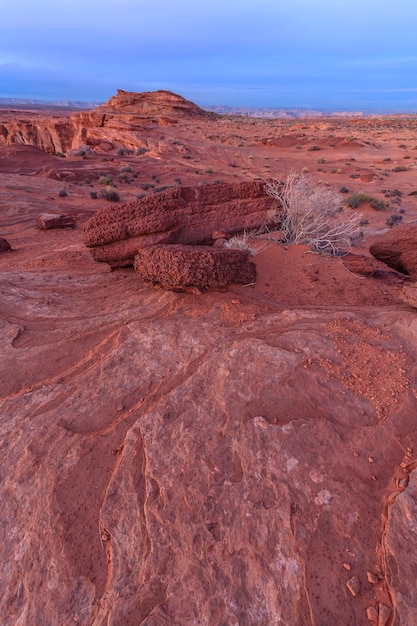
[393,244]
[54,220]
[369,266]
[181,266]
[181,215]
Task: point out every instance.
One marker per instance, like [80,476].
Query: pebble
[372,578]
[353,585]
[372,613]
[346,566]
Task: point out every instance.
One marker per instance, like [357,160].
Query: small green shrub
[378,205]
[105,180]
[110,194]
[313,148]
[355,199]
[400,168]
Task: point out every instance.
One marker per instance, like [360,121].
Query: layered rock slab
[182,215]
[178,266]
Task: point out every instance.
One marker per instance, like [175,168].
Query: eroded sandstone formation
[118,123]
[181,215]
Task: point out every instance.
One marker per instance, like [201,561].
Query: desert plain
[237,456]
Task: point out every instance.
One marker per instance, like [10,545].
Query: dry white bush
[311,214]
[241,242]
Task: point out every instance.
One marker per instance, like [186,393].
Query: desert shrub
[105,180]
[93,195]
[344,190]
[393,220]
[141,150]
[110,194]
[355,199]
[62,193]
[241,242]
[310,214]
[378,205]
[321,161]
[400,168]
[161,188]
[313,148]
[125,168]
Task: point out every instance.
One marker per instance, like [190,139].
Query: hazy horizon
[349,55]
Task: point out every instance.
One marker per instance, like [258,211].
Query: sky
[331,54]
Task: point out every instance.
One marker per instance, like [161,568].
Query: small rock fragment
[353,585]
[372,578]
[54,220]
[346,566]
[372,614]
[384,614]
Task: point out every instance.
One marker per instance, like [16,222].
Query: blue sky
[340,54]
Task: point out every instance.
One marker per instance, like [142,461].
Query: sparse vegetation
[313,148]
[355,199]
[110,194]
[310,214]
[62,193]
[241,242]
[400,168]
[105,180]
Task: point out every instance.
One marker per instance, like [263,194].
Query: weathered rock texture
[398,248]
[400,541]
[184,215]
[175,462]
[193,266]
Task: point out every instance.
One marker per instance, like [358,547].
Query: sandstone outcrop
[397,248]
[182,215]
[179,266]
[51,134]
[118,123]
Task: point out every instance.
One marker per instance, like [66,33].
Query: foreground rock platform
[179,266]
